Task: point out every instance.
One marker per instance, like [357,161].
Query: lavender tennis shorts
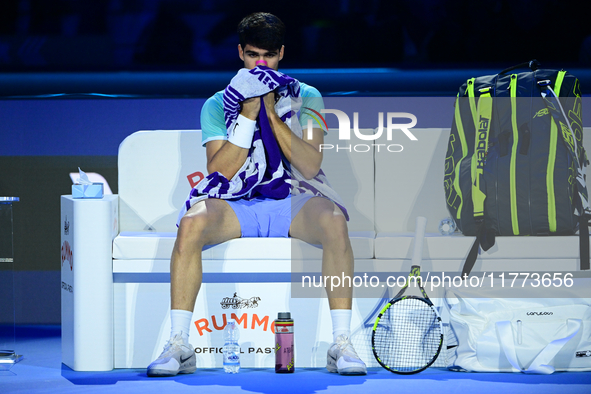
[266,217]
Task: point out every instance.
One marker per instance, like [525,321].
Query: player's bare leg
[208,222]
[320,221]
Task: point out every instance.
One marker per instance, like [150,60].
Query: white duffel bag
[534,335]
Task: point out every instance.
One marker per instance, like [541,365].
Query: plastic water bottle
[284,350]
[231,348]
[447,226]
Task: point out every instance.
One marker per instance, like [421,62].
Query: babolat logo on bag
[540,313]
[482,141]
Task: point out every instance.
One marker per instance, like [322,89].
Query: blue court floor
[41,371]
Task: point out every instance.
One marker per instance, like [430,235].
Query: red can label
[283,327]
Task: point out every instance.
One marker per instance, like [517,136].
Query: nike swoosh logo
[234,130]
[184,359]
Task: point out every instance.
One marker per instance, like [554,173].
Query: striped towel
[265,172]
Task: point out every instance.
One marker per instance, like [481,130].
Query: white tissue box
[94,190]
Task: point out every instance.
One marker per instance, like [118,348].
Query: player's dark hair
[261,30]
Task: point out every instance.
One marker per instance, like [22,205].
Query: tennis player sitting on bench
[211,218]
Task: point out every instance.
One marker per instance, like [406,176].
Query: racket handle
[420,226]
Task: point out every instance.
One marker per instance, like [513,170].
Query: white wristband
[242,133]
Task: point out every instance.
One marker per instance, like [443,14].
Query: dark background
[166,35]
[77,77]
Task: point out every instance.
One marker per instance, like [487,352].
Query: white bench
[249,279]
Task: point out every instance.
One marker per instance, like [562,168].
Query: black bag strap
[473,254]
[532,64]
[485,238]
[484,116]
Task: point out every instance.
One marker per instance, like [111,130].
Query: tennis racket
[408,333]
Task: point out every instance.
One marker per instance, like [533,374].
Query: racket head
[407,336]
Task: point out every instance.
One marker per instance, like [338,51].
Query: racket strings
[408,335]
[361,340]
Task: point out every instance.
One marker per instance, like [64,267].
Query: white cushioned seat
[140,245]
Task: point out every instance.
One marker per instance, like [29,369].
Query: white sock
[341,322]
[180,323]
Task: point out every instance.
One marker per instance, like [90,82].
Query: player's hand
[269,100]
[251,108]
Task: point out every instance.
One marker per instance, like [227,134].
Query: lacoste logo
[66,226]
[540,313]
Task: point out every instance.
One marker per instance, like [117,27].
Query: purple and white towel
[264,173]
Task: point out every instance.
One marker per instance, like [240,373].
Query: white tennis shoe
[343,358]
[177,357]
